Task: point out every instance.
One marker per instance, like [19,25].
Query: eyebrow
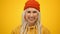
[28,11]
[34,11]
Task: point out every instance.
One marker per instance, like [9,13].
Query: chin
[32,22]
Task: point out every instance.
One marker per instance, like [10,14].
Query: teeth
[31,18]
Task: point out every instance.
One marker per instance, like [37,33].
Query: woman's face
[31,15]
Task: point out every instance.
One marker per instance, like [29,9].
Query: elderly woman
[31,20]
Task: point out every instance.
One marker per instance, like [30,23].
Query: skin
[31,15]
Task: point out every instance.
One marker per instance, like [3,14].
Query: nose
[31,14]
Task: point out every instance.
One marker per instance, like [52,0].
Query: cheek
[36,15]
[27,15]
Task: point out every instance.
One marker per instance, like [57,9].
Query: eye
[28,11]
[34,11]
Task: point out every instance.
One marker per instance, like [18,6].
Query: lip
[31,18]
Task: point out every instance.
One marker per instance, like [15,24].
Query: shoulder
[45,30]
[16,30]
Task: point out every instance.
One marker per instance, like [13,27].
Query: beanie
[32,4]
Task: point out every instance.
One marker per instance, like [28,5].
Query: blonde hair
[24,24]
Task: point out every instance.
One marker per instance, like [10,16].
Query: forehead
[31,9]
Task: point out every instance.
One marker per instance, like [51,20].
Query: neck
[30,24]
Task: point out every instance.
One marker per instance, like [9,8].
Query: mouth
[31,18]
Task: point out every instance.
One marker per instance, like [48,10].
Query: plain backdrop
[11,15]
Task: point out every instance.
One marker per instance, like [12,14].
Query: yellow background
[11,15]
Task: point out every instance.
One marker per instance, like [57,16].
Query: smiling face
[31,15]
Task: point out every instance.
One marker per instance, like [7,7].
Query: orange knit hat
[32,4]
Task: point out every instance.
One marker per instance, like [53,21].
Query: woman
[31,20]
